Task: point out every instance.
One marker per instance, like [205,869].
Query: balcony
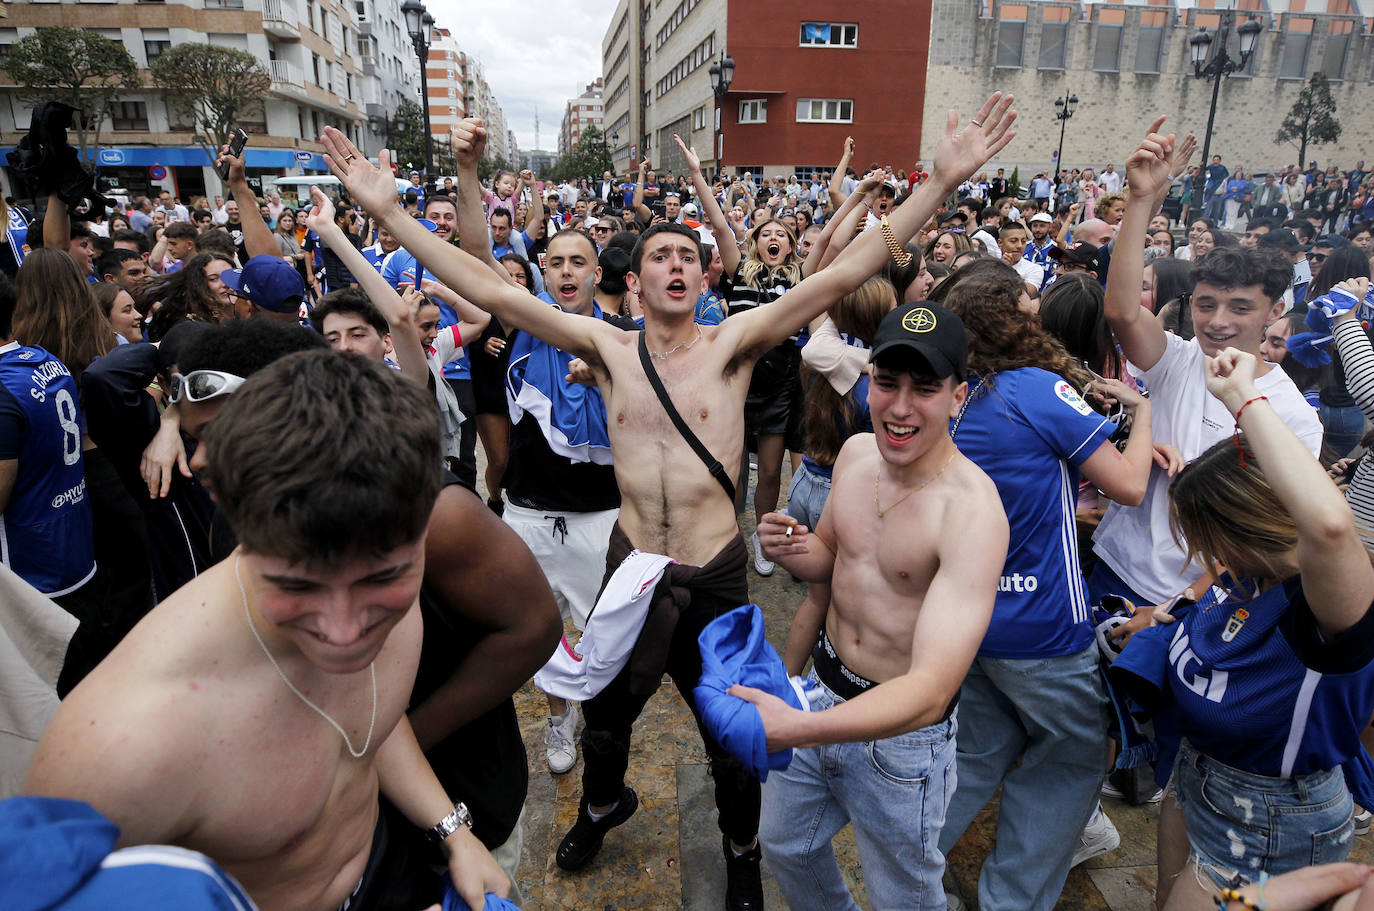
[280,20]
[288,79]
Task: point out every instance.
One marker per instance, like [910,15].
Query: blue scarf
[571,416]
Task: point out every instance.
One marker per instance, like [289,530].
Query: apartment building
[579,113]
[390,69]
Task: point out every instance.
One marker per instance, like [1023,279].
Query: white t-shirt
[1032,273]
[1111,181]
[1135,541]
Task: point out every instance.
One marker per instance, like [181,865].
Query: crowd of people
[1116,539]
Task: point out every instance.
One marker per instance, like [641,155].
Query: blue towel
[1309,348]
[735,650]
[454,902]
[571,416]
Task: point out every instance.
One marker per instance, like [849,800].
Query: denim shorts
[806,496]
[1243,823]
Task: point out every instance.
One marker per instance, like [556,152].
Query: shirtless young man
[913,576]
[670,503]
[196,732]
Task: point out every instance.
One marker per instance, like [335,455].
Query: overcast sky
[533,55]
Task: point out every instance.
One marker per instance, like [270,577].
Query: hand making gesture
[689,155]
[468,141]
[1149,169]
[962,152]
[371,186]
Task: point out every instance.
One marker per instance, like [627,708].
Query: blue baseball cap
[270,282]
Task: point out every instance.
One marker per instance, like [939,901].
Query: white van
[299,187]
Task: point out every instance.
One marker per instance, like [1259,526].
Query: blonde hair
[753,272]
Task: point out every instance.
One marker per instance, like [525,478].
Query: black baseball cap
[1082,253]
[1284,239]
[928,329]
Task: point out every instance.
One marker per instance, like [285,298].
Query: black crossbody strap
[712,463]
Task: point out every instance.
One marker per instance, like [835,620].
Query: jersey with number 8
[45,529]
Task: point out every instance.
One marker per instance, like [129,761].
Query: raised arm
[1140,335]
[1337,578]
[375,189]
[404,340]
[257,237]
[841,228]
[835,190]
[57,224]
[726,242]
[468,141]
[1357,354]
[959,154]
[642,212]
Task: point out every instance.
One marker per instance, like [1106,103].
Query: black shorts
[775,404]
[400,873]
[489,373]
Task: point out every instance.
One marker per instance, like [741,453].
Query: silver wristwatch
[445,827]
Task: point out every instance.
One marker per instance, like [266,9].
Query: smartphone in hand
[236,144]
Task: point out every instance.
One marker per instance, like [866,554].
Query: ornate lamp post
[1221,65]
[420,26]
[1063,111]
[722,74]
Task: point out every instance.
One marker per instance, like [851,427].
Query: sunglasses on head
[200,385]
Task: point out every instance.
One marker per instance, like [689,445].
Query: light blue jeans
[806,496]
[895,792]
[1051,714]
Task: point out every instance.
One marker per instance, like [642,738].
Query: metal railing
[282,11]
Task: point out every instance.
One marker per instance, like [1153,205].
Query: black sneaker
[743,881]
[583,840]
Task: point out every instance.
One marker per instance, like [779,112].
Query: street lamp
[420,26]
[1219,67]
[722,74]
[1063,111]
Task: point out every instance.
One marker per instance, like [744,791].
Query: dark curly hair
[1242,267]
[986,295]
[185,294]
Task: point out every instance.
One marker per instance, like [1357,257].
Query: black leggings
[611,715]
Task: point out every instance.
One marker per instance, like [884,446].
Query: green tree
[408,137]
[78,67]
[212,88]
[1312,119]
[589,158]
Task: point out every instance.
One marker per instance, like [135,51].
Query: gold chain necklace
[683,346]
[877,476]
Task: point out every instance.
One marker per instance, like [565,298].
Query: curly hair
[1241,267]
[986,295]
[185,294]
[754,273]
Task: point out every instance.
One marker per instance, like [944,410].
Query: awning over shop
[194,156]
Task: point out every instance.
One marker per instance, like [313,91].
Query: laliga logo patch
[1072,398]
[1234,624]
[920,321]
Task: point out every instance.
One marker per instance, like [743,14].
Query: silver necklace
[683,346]
[356,754]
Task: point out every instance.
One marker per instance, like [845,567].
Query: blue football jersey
[45,530]
[1253,683]
[1029,431]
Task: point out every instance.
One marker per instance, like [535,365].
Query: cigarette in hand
[789,530]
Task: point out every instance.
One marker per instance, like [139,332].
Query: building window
[1149,43]
[829,34]
[755,110]
[1333,58]
[1054,38]
[129,115]
[825,110]
[1010,38]
[1107,53]
[155,49]
[699,119]
[1297,41]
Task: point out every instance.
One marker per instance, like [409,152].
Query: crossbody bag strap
[712,463]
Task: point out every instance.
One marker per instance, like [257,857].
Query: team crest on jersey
[27,355]
[1234,624]
[1071,397]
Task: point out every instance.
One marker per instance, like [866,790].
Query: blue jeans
[806,496]
[894,791]
[1343,428]
[1247,823]
[1051,714]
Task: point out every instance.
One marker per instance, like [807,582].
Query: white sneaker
[1099,837]
[762,566]
[954,902]
[560,747]
[1362,822]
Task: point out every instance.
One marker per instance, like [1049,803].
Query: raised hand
[320,218]
[468,140]
[1183,153]
[960,153]
[373,187]
[1149,167]
[1231,377]
[689,155]
[870,185]
[237,171]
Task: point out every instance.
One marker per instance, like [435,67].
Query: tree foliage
[211,88]
[589,158]
[78,67]
[407,137]
[1312,119]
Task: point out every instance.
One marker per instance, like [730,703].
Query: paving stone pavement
[667,857]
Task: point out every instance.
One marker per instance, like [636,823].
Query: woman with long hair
[1166,288]
[1034,691]
[946,246]
[1195,230]
[193,292]
[761,273]
[913,281]
[120,311]
[56,311]
[1258,691]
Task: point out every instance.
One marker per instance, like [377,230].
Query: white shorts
[571,549]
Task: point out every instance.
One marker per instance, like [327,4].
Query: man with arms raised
[914,574]
[256,713]
[671,503]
